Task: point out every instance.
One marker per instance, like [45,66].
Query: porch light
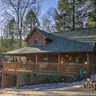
[85,62]
[67,56]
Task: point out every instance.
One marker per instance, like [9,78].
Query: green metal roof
[60,43]
[85,35]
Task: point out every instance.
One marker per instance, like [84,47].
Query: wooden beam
[26,59]
[3,84]
[58,62]
[13,58]
[36,59]
[88,62]
[18,80]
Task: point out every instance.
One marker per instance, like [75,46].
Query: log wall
[92,65]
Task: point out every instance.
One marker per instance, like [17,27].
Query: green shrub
[77,77]
[42,78]
[23,76]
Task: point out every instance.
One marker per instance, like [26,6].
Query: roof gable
[35,30]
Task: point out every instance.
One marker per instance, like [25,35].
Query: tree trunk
[20,39]
[73,14]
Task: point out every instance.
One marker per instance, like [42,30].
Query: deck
[46,67]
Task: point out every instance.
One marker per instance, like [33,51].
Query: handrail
[43,66]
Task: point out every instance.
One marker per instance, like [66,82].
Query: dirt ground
[37,91]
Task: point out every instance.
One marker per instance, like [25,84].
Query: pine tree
[65,15]
[9,35]
[31,21]
[92,14]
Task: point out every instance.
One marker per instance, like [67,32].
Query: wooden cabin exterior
[46,52]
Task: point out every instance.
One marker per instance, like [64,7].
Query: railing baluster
[49,67]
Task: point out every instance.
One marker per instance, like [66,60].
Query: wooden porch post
[36,61]
[58,62]
[27,59]
[13,57]
[36,58]
[18,80]
[3,84]
[88,62]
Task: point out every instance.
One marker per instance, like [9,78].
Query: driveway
[52,91]
[60,89]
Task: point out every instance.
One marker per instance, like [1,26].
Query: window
[35,40]
[46,59]
[79,59]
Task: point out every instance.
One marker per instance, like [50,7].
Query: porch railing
[14,66]
[47,67]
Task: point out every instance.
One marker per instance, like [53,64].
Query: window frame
[35,40]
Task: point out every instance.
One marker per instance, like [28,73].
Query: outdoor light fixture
[66,55]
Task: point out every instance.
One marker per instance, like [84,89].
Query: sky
[47,4]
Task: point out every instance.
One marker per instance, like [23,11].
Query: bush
[42,78]
[77,77]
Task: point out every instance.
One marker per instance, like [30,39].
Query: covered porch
[67,63]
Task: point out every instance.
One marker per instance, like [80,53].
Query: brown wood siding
[41,40]
[31,58]
[8,80]
[52,58]
[73,56]
[92,63]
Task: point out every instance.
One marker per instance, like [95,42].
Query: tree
[92,14]
[65,15]
[18,9]
[9,35]
[48,23]
[73,8]
[86,13]
[72,14]
[31,20]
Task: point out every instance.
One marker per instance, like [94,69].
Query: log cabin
[61,52]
